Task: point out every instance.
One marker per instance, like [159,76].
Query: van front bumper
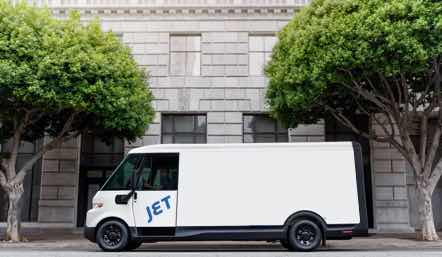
[89,233]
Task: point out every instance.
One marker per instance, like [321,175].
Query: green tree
[380,58]
[59,79]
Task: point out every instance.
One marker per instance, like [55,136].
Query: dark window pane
[167,139]
[160,172]
[167,125]
[200,139]
[184,139]
[248,138]
[187,129]
[263,129]
[200,124]
[283,138]
[264,138]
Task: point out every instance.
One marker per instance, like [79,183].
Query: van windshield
[121,178]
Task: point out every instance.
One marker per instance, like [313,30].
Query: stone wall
[59,184]
[391,207]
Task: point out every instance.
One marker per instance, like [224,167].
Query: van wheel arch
[308,215]
[112,218]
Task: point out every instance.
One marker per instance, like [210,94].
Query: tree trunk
[15,193]
[425,227]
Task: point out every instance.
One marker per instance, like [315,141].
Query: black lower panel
[213,233]
[156,231]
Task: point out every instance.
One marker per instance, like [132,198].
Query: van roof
[182,147]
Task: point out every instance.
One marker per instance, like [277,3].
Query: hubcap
[305,234]
[112,235]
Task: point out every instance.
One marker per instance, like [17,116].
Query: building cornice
[174,7]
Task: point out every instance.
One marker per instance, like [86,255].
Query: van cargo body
[297,193]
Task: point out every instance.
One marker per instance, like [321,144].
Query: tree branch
[61,138]
[16,139]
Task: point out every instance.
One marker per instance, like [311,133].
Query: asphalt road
[217,250]
[243,253]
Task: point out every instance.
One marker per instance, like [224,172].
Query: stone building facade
[205,60]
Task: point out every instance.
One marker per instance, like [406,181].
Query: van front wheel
[304,235]
[112,236]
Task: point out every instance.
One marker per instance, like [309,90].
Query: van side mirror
[123,199]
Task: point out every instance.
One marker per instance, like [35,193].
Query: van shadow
[225,248]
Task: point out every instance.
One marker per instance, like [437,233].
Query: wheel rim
[112,235]
[305,235]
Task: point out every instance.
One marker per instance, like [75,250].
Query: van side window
[121,178]
[162,174]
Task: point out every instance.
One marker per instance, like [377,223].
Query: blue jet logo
[156,208]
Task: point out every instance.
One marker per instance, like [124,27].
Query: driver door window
[159,172]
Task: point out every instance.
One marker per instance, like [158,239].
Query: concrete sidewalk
[72,239]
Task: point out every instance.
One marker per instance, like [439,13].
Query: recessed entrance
[97,162]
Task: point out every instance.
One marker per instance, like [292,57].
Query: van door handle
[135,195]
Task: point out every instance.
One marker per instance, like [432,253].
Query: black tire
[133,245]
[112,236]
[304,235]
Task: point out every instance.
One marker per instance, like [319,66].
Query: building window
[185,55]
[263,129]
[184,129]
[260,51]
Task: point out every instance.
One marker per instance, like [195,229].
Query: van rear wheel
[112,236]
[304,235]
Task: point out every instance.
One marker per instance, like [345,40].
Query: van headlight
[97,205]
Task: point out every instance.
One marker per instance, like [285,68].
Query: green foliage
[56,68]
[333,43]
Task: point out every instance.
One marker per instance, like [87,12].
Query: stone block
[399,165]
[154,129]
[237,70]
[236,48]
[392,215]
[50,165]
[218,105]
[400,193]
[151,140]
[161,105]
[386,154]
[204,105]
[157,70]
[211,139]
[316,138]
[48,193]
[62,153]
[213,48]
[234,139]
[197,82]
[384,193]
[59,179]
[56,214]
[382,166]
[309,130]
[214,93]
[390,179]
[66,193]
[224,129]
[212,71]
[233,117]
[215,117]
[235,93]
[68,166]
[227,82]
[298,139]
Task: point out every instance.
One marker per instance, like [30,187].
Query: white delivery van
[298,193]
